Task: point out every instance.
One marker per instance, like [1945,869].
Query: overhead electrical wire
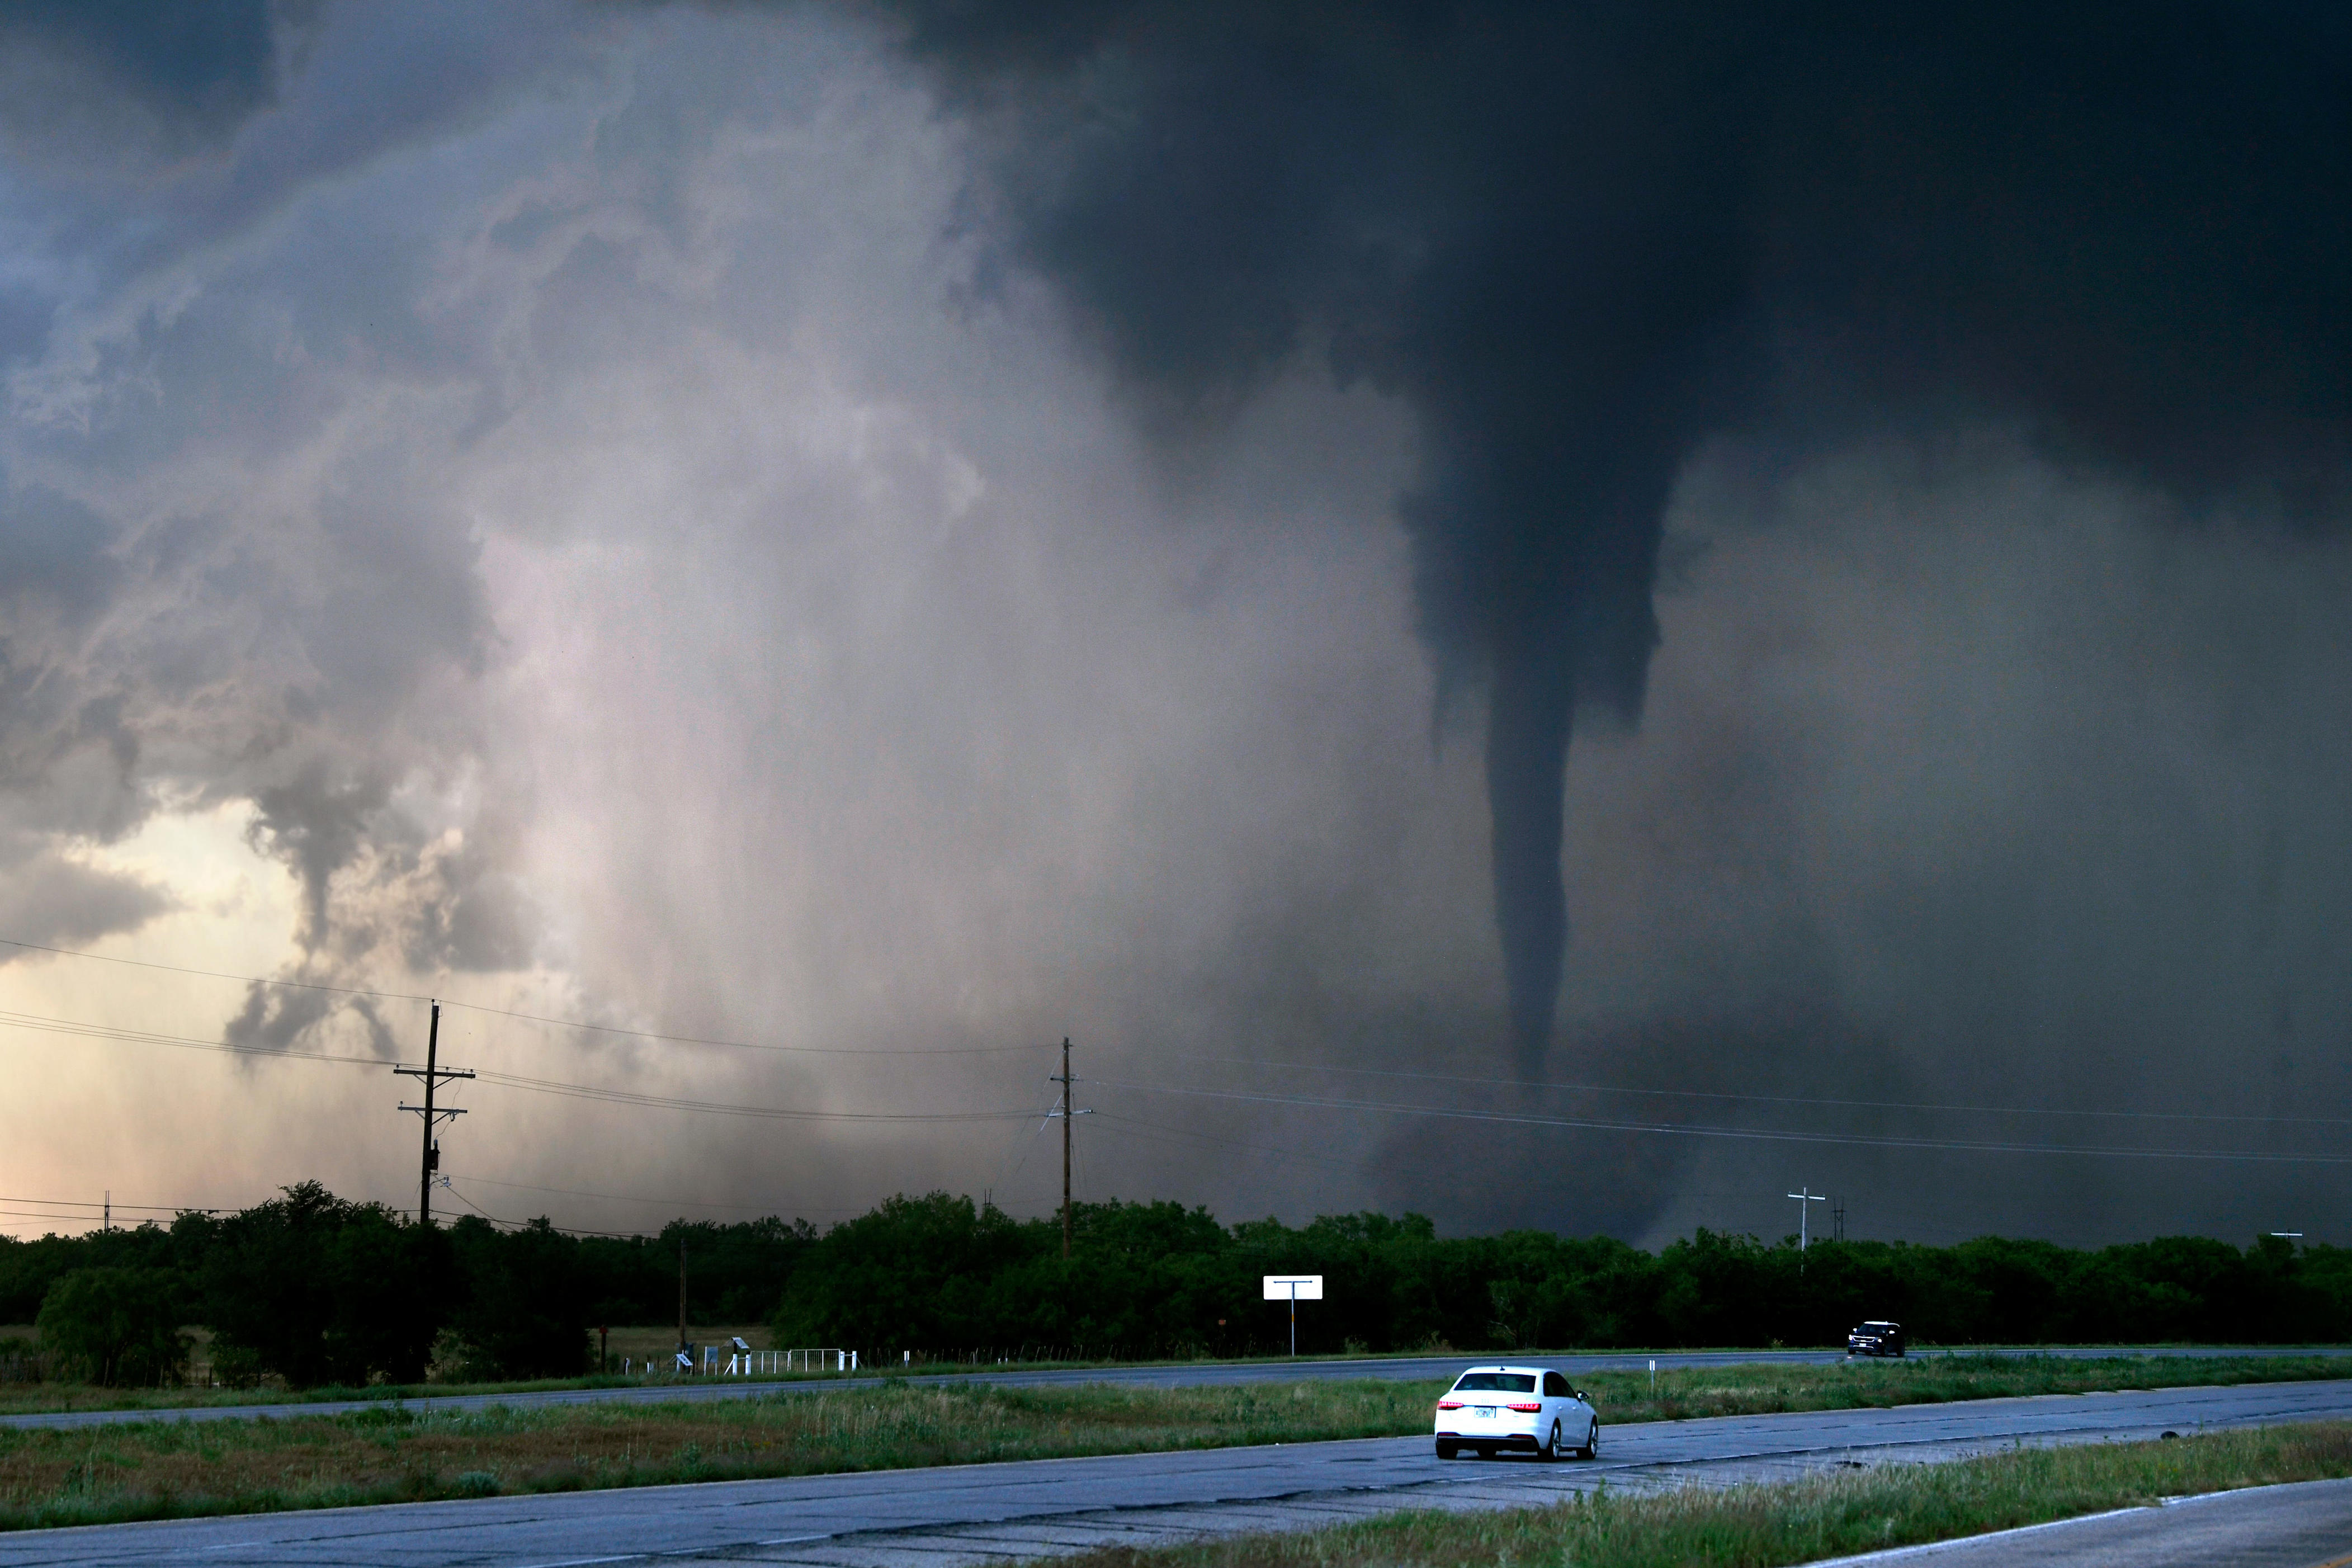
[1759,1134]
[212,974]
[606,1094]
[534,1085]
[1543,1086]
[663,1203]
[752,1044]
[1160,1133]
[723,1107]
[1116,1049]
[541,1018]
[94,1203]
[448,1187]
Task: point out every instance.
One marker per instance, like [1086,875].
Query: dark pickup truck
[1875,1339]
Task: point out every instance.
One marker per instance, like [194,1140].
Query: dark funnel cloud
[1582,241]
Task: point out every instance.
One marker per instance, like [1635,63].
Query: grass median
[166,1469]
[1803,1521]
[1675,1393]
[1685,1394]
[162,1468]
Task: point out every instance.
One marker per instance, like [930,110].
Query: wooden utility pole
[434,1073]
[1065,1148]
[681,1291]
[1065,1110]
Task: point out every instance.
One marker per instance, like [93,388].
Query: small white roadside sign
[1294,1288]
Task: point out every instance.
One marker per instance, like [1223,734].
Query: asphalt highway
[1183,1374]
[975,1513]
[2309,1525]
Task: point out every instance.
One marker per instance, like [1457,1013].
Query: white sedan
[1529,1409]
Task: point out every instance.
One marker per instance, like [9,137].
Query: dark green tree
[116,1327]
[525,1302]
[319,1290]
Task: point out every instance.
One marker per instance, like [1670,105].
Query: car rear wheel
[1551,1450]
[1447,1451]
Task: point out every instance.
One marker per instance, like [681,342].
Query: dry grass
[1764,1527]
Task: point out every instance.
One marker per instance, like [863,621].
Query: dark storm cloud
[91,77]
[55,553]
[163,642]
[1582,241]
[45,898]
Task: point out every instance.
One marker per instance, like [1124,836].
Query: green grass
[171,1469]
[1755,1389]
[149,1469]
[1682,1393]
[1765,1526]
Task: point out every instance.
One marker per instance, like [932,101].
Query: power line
[1164,1132]
[721,1108]
[1695,1129]
[85,1203]
[532,1017]
[1723,1095]
[750,1044]
[1552,1086]
[653,1202]
[214,974]
[526,1225]
[78,1029]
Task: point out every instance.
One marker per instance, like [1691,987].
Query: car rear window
[1496,1382]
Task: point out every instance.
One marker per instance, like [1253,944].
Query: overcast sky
[695,521]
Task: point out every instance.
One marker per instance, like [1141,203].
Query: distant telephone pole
[681,1289]
[434,1073]
[1805,1198]
[1065,1113]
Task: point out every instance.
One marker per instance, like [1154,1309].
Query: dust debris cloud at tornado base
[1573,616]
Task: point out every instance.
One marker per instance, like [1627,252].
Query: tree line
[312,1290]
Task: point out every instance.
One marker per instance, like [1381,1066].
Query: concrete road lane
[1186,1374]
[968,1514]
[2307,1525]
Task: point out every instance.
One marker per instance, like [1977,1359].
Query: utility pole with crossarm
[434,1073]
[1805,1197]
[1065,1112]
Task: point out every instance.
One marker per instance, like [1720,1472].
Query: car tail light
[1528,1409]
[1449,1405]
